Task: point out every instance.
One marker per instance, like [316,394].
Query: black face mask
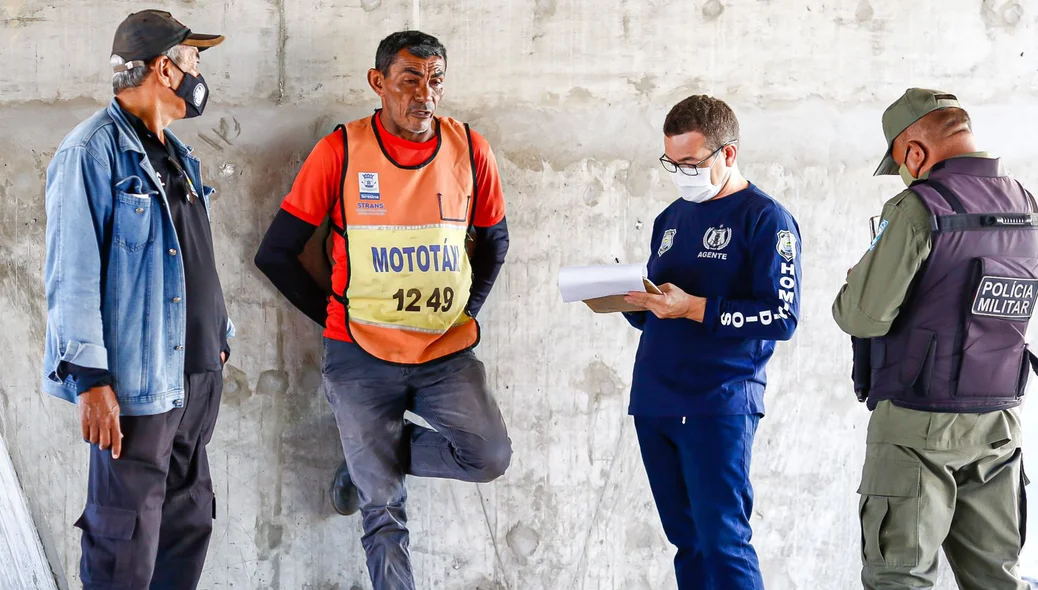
[195,93]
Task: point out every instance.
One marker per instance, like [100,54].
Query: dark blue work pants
[149,513]
[699,472]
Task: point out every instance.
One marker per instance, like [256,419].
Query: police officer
[137,326]
[945,292]
[405,190]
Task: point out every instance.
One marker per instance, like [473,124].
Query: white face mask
[698,188]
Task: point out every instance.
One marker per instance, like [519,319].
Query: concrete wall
[571,94]
[23,563]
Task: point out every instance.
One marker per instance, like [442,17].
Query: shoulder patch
[786,245]
[667,242]
[879,233]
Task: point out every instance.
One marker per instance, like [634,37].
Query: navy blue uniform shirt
[742,253]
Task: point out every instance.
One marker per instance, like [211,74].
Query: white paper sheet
[577,283]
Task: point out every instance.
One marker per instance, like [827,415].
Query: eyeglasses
[184,180]
[691,169]
[182,177]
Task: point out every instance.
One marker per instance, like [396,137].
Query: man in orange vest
[407,193]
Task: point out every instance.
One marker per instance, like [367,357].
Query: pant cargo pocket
[889,514]
[107,545]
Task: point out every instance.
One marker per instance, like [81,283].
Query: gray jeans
[369,397]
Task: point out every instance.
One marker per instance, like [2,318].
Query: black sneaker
[343,493]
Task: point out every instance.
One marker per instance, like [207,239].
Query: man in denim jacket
[137,326]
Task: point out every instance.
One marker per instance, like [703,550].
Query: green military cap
[913,105]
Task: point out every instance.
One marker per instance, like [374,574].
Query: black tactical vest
[957,344]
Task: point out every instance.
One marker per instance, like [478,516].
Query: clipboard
[616,303]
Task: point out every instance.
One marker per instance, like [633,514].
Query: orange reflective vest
[405,229]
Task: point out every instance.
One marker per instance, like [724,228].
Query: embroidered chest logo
[787,245]
[717,238]
[714,240]
[667,242]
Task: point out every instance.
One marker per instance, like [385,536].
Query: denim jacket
[114,277]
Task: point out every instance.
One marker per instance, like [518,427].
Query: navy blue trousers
[149,513]
[699,472]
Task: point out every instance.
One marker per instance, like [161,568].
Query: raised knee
[494,461]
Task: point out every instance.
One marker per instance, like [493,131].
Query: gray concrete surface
[23,563]
[572,95]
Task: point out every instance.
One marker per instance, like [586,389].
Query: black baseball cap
[149,33]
